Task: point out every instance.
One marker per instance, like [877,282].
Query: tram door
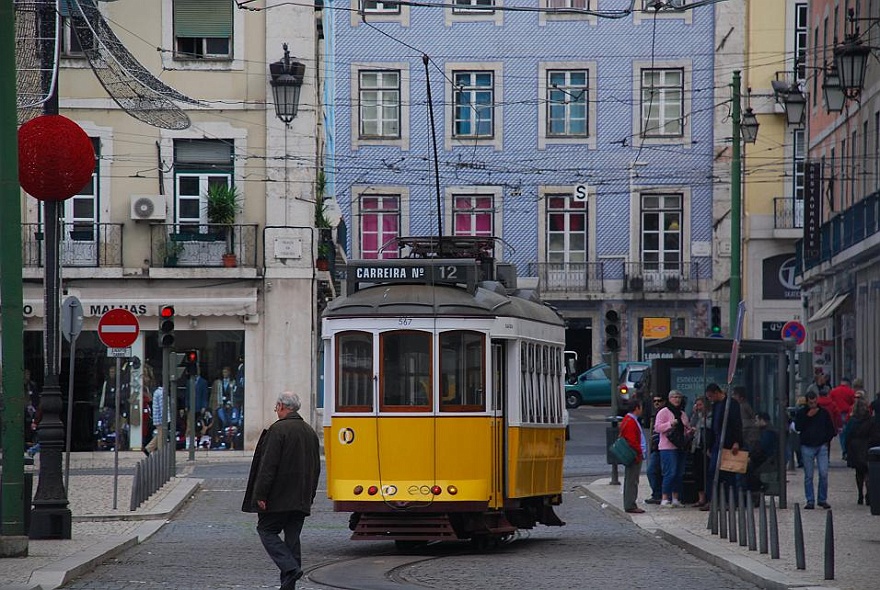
[499,396]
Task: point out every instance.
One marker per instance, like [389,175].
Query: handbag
[738,463]
[678,438]
[624,453]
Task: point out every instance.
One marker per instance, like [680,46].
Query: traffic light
[191,362]
[612,331]
[715,326]
[166,326]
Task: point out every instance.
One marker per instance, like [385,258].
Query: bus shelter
[762,368]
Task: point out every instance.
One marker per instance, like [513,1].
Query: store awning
[828,309]
[208,300]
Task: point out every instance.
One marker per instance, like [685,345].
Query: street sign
[654,328]
[71,318]
[119,353]
[794,330]
[118,328]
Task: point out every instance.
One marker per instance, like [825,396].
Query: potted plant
[322,262]
[170,252]
[223,204]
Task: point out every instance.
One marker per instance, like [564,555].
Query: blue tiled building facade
[583,139]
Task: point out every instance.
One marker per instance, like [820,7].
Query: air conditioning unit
[148,207]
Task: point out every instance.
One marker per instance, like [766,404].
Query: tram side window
[405,375]
[462,372]
[354,378]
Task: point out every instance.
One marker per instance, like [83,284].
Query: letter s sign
[580,193]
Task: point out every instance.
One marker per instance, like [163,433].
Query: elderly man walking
[282,485]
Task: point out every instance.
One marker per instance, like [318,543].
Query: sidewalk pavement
[99,532]
[856,533]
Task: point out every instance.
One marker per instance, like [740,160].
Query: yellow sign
[656,327]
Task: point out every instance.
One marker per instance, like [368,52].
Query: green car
[593,386]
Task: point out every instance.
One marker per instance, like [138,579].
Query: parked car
[593,386]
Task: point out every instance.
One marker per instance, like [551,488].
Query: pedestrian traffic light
[166,326]
[191,361]
[612,331]
[716,320]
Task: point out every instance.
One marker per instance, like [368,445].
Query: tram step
[415,528]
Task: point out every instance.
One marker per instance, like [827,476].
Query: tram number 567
[404,321]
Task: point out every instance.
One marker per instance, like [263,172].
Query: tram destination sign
[412,271]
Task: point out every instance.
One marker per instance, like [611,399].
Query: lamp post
[286,78]
[735,202]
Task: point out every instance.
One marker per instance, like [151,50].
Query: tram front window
[462,372]
[406,371]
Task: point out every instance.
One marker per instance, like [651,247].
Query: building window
[473,5]
[582,4]
[472,215]
[473,104]
[70,46]
[380,222]
[376,6]
[661,232]
[567,92]
[800,40]
[354,378]
[202,29]
[199,164]
[662,102]
[81,210]
[798,154]
[379,104]
[566,229]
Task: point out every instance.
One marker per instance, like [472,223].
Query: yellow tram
[445,414]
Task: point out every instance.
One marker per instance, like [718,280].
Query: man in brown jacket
[282,485]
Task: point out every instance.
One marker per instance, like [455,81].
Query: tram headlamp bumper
[452,490]
[372,490]
[358,490]
[436,490]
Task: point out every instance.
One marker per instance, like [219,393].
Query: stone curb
[58,573]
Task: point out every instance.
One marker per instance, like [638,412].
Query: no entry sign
[118,328]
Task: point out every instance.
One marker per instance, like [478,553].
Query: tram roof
[442,300]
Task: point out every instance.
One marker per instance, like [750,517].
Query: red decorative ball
[55,158]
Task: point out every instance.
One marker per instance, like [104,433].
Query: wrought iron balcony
[568,277]
[846,229]
[83,244]
[653,277]
[788,213]
[203,245]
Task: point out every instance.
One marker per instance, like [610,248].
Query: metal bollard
[762,525]
[713,512]
[799,556]
[722,512]
[829,546]
[750,523]
[731,514]
[774,530]
[741,517]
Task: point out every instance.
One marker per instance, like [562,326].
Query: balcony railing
[788,213]
[845,230]
[568,277]
[652,277]
[82,244]
[201,245]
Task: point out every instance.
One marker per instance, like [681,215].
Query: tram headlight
[436,490]
[372,490]
[358,490]
[452,490]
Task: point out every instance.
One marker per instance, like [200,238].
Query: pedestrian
[817,429]
[762,457]
[699,422]
[861,434]
[674,428]
[282,484]
[750,426]
[875,407]
[733,436]
[654,473]
[844,396]
[631,431]
[158,420]
[820,383]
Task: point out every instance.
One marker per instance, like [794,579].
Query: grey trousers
[631,484]
[286,553]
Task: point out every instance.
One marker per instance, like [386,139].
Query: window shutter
[203,18]
[202,153]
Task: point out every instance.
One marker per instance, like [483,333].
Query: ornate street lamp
[286,80]
[835,97]
[851,60]
[749,126]
[795,104]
